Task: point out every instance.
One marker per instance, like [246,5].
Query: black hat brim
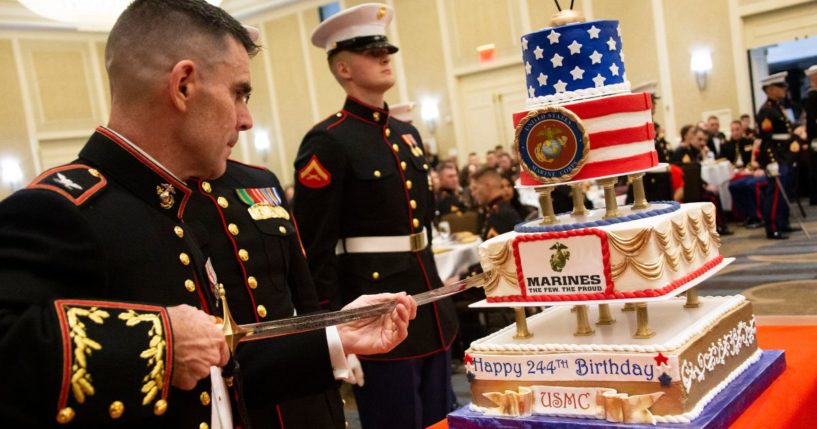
[360,44]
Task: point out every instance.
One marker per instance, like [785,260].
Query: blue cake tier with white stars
[573,62]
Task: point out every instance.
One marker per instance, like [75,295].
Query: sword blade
[294,325]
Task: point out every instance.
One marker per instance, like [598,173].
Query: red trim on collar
[149,164]
[367,105]
[348,113]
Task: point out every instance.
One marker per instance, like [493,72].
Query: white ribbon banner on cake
[586,402]
[550,265]
[571,367]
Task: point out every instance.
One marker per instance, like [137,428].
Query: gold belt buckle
[417,241]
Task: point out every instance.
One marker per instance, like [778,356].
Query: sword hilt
[233,333]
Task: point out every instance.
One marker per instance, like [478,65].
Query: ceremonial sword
[788,202]
[235,333]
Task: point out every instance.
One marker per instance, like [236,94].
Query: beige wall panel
[328,92]
[14,141]
[106,86]
[479,22]
[540,12]
[291,89]
[60,151]
[263,122]
[638,39]
[421,51]
[780,25]
[706,25]
[60,79]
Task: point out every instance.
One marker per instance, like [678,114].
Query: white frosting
[617,121]
[716,354]
[629,279]
[674,325]
[706,399]
[678,418]
[580,94]
[620,151]
[571,367]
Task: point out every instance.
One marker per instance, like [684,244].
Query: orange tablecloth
[791,401]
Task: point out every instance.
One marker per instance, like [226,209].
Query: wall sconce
[701,65]
[430,112]
[261,142]
[486,52]
[11,174]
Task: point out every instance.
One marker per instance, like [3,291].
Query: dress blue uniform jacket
[91,253]
[362,173]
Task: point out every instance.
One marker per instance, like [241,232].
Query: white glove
[773,169]
[355,370]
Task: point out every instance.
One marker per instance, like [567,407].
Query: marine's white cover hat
[774,79]
[402,111]
[811,70]
[355,29]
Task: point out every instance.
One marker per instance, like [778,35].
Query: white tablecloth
[453,257]
[719,174]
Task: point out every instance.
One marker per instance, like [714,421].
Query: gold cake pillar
[610,203]
[643,329]
[605,318]
[578,200]
[628,307]
[522,331]
[692,299]
[583,328]
[639,195]
[546,203]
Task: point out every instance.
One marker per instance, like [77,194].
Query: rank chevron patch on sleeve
[314,175]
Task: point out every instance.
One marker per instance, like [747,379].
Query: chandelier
[86,15]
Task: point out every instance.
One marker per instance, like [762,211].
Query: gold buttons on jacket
[403,165]
[160,407]
[244,255]
[408,184]
[377,173]
[376,116]
[116,409]
[282,229]
[65,415]
[93,172]
[395,148]
[262,311]
[204,425]
[233,228]
[222,202]
[413,204]
[375,275]
[179,231]
[338,114]
[388,132]
[425,167]
[252,282]
[184,258]
[190,285]
[206,187]
[415,222]
[204,398]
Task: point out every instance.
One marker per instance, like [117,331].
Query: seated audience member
[447,195]
[715,137]
[690,148]
[746,124]
[507,167]
[496,215]
[738,149]
[511,196]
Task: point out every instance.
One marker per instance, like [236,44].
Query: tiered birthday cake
[583,124]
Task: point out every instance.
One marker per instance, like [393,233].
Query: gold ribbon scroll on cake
[606,404]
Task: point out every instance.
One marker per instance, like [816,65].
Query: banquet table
[452,256]
[789,401]
[719,173]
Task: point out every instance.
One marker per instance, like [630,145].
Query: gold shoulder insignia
[76,182]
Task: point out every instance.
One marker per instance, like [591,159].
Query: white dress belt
[383,244]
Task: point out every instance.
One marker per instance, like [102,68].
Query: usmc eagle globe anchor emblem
[552,144]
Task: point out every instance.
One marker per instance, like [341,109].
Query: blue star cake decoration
[579,56]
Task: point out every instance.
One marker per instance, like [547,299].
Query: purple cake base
[723,410]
